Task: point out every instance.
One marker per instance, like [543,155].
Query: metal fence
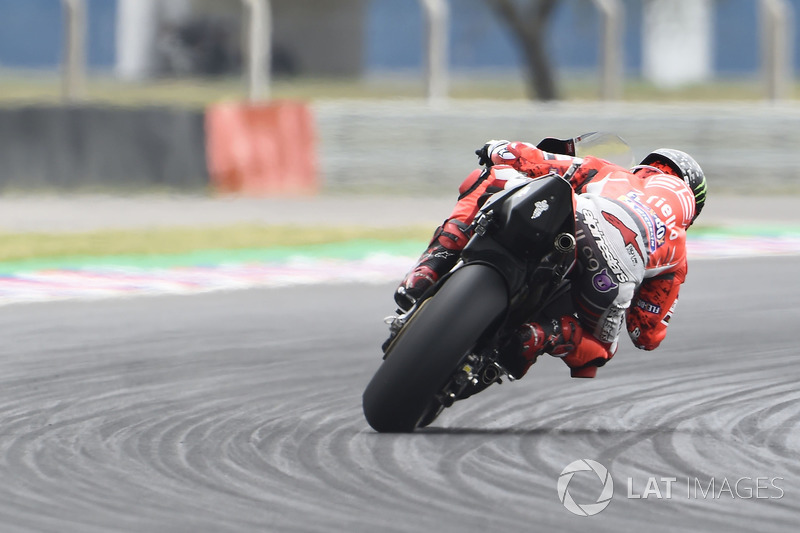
[776,16]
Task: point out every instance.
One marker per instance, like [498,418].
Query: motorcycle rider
[631,249]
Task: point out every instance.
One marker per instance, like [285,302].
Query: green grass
[22,247]
[175,241]
[17,89]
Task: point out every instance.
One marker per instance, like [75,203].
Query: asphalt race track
[241,411]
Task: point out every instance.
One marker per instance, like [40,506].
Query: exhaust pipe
[565,242]
[490,374]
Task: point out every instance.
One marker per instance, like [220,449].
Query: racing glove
[491,152]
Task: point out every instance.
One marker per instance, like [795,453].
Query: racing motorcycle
[449,345]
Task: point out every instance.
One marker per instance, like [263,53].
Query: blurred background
[209,96]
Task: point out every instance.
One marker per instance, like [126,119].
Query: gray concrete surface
[241,412]
[77,213]
[114,148]
[380,143]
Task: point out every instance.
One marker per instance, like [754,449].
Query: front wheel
[430,347]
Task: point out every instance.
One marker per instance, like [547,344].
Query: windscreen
[605,146]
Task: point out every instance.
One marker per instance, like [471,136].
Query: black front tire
[431,346]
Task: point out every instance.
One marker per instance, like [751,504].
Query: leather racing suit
[631,244]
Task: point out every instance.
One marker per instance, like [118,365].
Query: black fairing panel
[529,219]
[522,226]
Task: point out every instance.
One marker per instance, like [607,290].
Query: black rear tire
[430,347]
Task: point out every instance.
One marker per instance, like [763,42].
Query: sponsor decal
[648,307]
[605,249]
[669,314]
[548,156]
[632,254]
[603,282]
[541,207]
[592,264]
[666,211]
[656,231]
[439,254]
[628,235]
[611,325]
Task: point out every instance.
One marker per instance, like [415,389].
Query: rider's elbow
[647,340]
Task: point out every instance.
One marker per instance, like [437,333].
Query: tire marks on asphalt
[240,411]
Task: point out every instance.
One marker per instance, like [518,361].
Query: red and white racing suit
[631,244]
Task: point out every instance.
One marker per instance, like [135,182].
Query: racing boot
[557,337]
[442,255]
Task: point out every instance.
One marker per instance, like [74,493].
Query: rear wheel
[431,346]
